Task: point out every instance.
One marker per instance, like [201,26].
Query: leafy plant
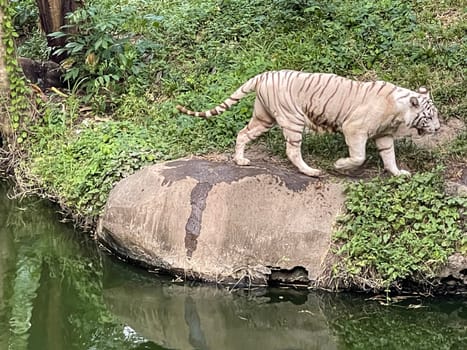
[34,47]
[398,228]
[16,105]
[101,51]
[103,154]
[25,15]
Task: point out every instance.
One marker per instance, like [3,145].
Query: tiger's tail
[240,93]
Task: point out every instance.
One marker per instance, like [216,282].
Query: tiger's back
[327,102]
[324,101]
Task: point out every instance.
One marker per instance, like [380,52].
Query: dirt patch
[257,152]
[448,132]
[449,17]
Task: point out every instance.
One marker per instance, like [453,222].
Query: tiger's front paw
[242,161]
[340,164]
[402,172]
[312,172]
[344,164]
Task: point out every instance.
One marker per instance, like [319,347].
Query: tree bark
[52,16]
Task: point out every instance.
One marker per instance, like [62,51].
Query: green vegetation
[141,58]
[114,56]
[396,229]
[412,323]
[16,105]
[131,61]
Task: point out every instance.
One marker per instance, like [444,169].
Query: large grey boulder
[218,222]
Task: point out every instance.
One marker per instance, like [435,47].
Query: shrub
[398,228]
[102,53]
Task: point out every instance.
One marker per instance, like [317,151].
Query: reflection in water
[51,284]
[195,337]
[204,317]
[415,324]
[178,316]
[58,292]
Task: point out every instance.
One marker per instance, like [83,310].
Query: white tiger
[327,102]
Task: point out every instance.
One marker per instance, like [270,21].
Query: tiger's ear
[414,101]
[424,91]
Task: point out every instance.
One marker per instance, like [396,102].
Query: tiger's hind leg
[258,124]
[293,139]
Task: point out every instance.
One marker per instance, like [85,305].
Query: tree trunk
[52,16]
[5,129]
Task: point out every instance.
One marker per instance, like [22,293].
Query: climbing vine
[17,104]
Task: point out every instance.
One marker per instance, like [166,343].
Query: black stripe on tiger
[385,148]
[325,86]
[310,84]
[343,104]
[294,143]
[417,119]
[381,88]
[326,104]
[403,96]
[366,92]
[391,92]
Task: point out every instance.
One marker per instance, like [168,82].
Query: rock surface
[218,222]
[454,274]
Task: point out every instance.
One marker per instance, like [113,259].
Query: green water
[58,291]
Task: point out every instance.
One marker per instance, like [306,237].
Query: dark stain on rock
[464,177]
[216,172]
[193,225]
[209,173]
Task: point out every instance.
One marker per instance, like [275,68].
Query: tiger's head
[425,114]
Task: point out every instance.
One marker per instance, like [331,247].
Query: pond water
[59,292]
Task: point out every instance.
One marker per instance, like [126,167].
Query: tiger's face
[426,119]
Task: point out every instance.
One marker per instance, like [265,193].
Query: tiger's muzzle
[432,129]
